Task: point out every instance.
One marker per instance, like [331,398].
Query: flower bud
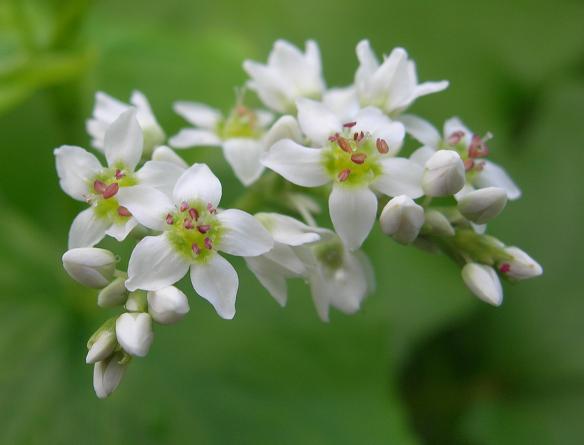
[483,281]
[114,294]
[101,345]
[437,224]
[444,174]
[521,266]
[108,374]
[90,266]
[168,305]
[134,332]
[480,206]
[136,302]
[402,218]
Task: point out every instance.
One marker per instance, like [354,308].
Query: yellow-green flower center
[241,123]
[103,190]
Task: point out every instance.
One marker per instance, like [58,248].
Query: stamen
[468,164]
[188,224]
[184,206]
[477,147]
[211,209]
[119,174]
[349,124]
[169,219]
[361,136]
[193,214]
[333,137]
[358,158]
[344,174]
[455,137]
[505,268]
[344,145]
[196,249]
[208,243]
[99,186]
[111,190]
[204,228]
[122,211]
[355,136]
[382,146]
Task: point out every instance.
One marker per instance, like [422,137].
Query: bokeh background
[424,362]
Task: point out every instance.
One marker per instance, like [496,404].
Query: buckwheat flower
[521,266]
[288,75]
[472,148]
[101,346]
[243,135]
[89,266]
[480,206]
[108,374]
[357,157]
[134,333]
[483,281]
[167,305]
[402,219]
[282,262]
[392,85]
[194,231]
[107,109]
[83,178]
[443,174]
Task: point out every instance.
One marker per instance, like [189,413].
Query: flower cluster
[307,142]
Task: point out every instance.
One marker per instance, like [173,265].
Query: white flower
[193,233]
[164,153]
[101,346]
[472,148]
[480,206]
[108,374]
[357,157]
[402,218]
[288,75]
[167,305]
[282,261]
[443,174]
[83,178]
[242,135]
[392,86]
[89,266]
[521,266]
[134,333]
[107,109]
[483,281]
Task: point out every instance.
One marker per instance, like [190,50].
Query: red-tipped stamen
[344,174]
[344,145]
[188,224]
[184,206]
[361,136]
[211,209]
[119,175]
[358,158]
[333,137]
[468,164]
[455,137]
[122,211]
[382,146]
[208,243]
[193,214]
[169,219]
[204,228]
[477,147]
[111,190]
[99,186]
[196,249]
[505,268]
[349,124]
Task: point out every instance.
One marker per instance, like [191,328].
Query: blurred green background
[424,361]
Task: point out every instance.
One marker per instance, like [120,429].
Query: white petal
[191,137]
[102,348]
[198,183]
[343,102]
[483,281]
[402,218]
[108,374]
[147,204]
[124,140]
[483,205]
[317,121]
[269,275]
[422,154]
[243,234]
[90,266]
[168,305]
[121,231]
[352,212]
[134,333]
[493,175]
[154,264]
[87,229]
[166,154]
[422,130]
[105,111]
[284,256]
[400,177]
[198,114]
[144,113]
[161,175]
[271,88]
[454,124]
[288,230]
[296,163]
[284,128]
[244,157]
[217,282]
[426,88]
[444,174]
[264,118]
[76,169]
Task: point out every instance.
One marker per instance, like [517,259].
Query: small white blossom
[193,233]
[483,281]
[102,346]
[134,333]
[107,109]
[108,374]
[402,219]
[89,266]
[392,85]
[480,206]
[521,266]
[472,148]
[83,178]
[167,305]
[288,75]
[358,157]
[443,174]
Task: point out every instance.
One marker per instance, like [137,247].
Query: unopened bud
[134,333]
[136,302]
[444,174]
[114,294]
[483,281]
[402,219]
[480,206]
[521,266]
[437,224]
[167,305]
[102,344]
[107,374]
[90,266]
